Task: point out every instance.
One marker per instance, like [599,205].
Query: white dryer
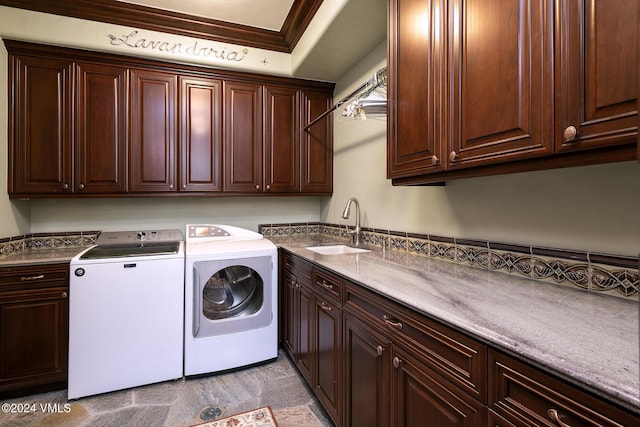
[231,299]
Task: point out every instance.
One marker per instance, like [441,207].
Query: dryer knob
[79,272]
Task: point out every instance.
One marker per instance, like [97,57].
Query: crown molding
[148,18]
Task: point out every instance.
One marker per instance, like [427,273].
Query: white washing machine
[126,312]
[231,299]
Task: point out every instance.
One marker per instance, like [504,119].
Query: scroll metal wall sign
[197,49]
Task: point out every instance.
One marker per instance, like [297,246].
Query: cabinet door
[101,142]
[152,165]
[367,365]
[242,137]
[289,327]
[501,93]
[417,116]
[305,332]
[41,125]
[421,398]
[317,144]
[200,134]
[281,139]
[328,348]
[597,57]
[33,337]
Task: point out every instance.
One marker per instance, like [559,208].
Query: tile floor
[181,403]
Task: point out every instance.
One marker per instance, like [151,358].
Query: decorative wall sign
[196,49]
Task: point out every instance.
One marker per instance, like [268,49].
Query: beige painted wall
[593,208]
[169,212]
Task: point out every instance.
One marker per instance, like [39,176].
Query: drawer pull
[553,414]
[396,362]
[327,285]
[324,306]
[379,350]
[32,278]
[394,324]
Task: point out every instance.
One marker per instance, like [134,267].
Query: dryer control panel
[204,233]
[196,231]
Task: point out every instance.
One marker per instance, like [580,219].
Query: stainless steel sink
[336,250]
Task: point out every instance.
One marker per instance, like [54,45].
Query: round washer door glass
[231,292]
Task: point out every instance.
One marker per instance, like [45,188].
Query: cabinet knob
[268,187]
[257,186]
[64,295]
[379,350]
[81,187]
[435,160]
[570,133]
[453,156]
[170,186]
[184,186]
[396,362]
[65,186]
[553,414]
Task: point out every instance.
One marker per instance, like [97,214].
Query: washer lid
[131,250]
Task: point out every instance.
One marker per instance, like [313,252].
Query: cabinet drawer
[32,275]
[453,355]
[526,396]
[327,284]
[292,263]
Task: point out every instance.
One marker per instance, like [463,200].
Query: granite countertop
[40,256]
[586,338]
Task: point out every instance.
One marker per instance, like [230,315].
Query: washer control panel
[138,237]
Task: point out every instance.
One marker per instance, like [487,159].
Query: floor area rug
[261,417]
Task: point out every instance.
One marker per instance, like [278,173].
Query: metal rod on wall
[375,80]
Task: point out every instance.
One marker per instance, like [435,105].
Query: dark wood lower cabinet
[367,361]
[328,350]
[522,395]
[34,313]
[420,398]
[374,363]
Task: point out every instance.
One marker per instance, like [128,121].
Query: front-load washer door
[232,295]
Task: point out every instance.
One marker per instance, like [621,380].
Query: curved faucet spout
[345,214]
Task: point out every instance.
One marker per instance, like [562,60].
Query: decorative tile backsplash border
[70,239]
[610,274]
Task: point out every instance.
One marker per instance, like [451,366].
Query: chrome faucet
[345,214]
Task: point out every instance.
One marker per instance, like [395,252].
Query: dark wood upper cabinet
[317,143]
[101,141]
[40,125]
[281,139]
[501,92]
[484,87]
[242,137]
[153,131]
[417,121]
[200,134]
[98,125]
[597,74]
